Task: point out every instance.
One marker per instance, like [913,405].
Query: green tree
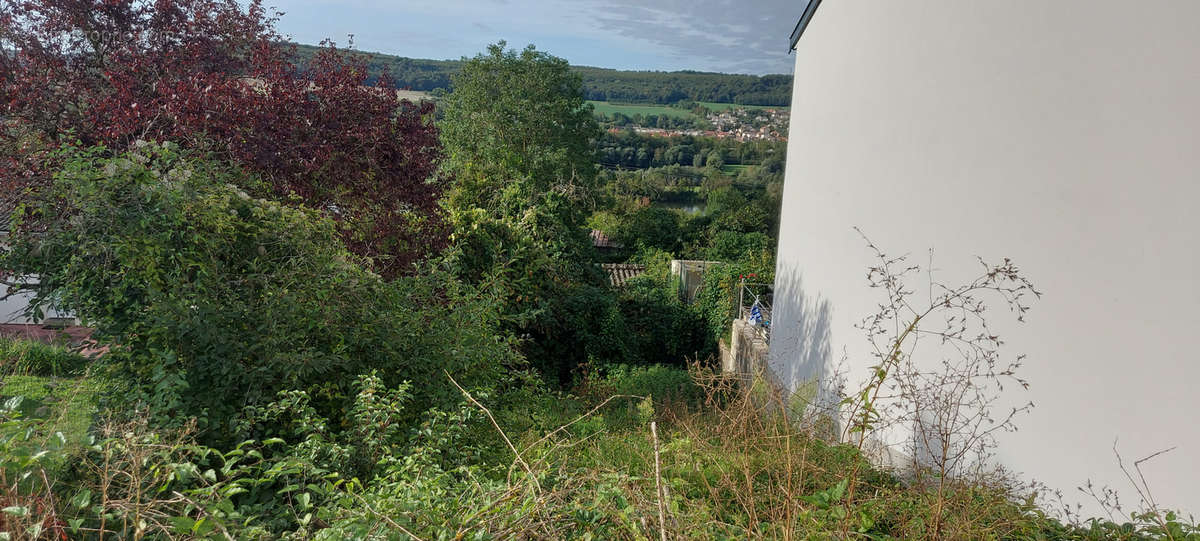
[653,227]
[725,200]
[518,137]
[729,245]
[516,130]
[716,159]
[213,300]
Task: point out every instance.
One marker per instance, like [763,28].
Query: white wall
[11,308]
[1064,135]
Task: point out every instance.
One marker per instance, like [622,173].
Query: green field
[725,106]
[413,95]
[607,108]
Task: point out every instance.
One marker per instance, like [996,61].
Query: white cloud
[747,36]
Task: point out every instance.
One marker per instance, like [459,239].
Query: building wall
[1064,135]
[12,309]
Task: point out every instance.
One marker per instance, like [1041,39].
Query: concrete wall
[747,353]
[1064,135]
[691,275]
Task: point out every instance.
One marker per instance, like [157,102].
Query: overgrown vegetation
[315,327]
[30,358]
[177,269]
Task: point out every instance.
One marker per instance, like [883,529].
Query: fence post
[741,297]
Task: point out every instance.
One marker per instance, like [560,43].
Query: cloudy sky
[738,36]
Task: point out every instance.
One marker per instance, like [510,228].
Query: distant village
[739,124]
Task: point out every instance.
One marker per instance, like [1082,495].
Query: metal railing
[754,306]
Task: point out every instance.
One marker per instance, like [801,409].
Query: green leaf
[182,524]
[82,499]
[203,527]
[16,510]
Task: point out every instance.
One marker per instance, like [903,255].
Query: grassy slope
[67,403]
[51,383]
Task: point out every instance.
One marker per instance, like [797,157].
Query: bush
[718,296]
[583,324]
[214,301]
[733,246]
[665,384]
[653,227]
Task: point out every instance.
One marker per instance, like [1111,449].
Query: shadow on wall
[801,357]
[801,353]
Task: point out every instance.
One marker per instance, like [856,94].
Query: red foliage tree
[215,75]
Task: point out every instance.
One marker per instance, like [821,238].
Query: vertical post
[662,519]
[741,297]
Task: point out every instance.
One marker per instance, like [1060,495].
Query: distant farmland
[413,95]
[607,108]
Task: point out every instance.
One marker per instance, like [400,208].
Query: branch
[511,447]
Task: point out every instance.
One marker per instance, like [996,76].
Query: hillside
[602,84]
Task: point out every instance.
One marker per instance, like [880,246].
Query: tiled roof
[600,240]
[619,273]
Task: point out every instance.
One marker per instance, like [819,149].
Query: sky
[732,36]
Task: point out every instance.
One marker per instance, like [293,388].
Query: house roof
[600,240]
[620,273]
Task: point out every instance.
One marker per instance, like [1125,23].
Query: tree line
[629,150]
[599,84]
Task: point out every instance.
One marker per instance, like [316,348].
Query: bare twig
[662,521]
[507,441]
[1141,486]
[580,418]
[387,519]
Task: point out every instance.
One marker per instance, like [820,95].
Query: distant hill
[602,84]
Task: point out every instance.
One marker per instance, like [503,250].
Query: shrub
[583,324]
[733,246]
[665,384]
[663,329]
[718,296]
[215,301]
[652,227]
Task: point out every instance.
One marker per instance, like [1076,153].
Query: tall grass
[27,357]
